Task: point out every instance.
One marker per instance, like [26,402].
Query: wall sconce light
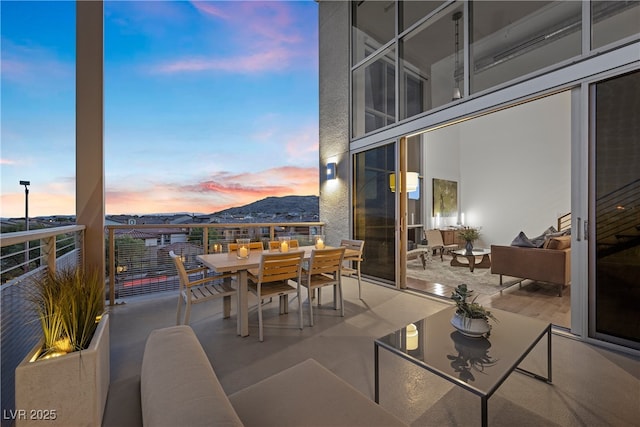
[331,171]
[412,182]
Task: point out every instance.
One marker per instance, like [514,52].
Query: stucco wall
[334,117]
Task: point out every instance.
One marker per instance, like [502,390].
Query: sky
[207,104]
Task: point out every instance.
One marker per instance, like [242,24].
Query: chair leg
[335,297]
[260,317]
[359,283]
[187,313]
[226,304]
[179,308]
[300,308]
[284,304]
[319,296]
[341,298]
[310,291]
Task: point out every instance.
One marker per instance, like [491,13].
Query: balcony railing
[26,256]
[138,260]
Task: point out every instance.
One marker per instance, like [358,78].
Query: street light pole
[26,221]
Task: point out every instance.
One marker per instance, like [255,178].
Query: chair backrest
[434,237]
[356,245]
[275,244]
[252,246]
[182,272]
[326,261]
[278,266]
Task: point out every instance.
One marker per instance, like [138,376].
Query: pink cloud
[7,162]
[265,30]
[25,65]
[222,191]
[261,61]
[209,9]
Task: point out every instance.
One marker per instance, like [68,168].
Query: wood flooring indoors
[531,299]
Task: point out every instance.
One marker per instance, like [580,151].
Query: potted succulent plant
[470,318]
[469,235]
[68,370]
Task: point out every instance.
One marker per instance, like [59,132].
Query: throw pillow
[561,242]
[522,241]
[541,239]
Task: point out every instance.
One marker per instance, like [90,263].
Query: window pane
[613,20]
[514,38]
[431,76]
[374,94]
[412,11]
[617,209]
[373,26]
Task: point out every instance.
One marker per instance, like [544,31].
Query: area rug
[481,281]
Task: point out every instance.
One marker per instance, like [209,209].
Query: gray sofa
[178,386]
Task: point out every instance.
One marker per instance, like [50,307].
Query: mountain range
[277,206]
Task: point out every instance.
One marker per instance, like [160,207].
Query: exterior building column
[90,204]
[334,62]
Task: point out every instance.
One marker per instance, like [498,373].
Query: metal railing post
[49,249]
[112,267]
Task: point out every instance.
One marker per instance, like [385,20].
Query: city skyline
[208,105]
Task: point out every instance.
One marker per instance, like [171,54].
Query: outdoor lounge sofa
[178,386]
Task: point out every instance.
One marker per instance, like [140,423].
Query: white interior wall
[516,169]
[513,168]
[442,161]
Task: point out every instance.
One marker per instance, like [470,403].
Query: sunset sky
[208,105]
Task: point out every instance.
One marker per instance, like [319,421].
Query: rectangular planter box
[69,390]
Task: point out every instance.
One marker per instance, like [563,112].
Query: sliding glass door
[374,212]
[615,211]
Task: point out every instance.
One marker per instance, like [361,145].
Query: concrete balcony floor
[591,385]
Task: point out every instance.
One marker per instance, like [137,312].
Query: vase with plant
[470,318]
[69,368]
[469,235]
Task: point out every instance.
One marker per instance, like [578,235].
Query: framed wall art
[445,198]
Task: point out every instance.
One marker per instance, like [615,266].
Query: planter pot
[470,327]
[69,390]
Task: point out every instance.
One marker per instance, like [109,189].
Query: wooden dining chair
[200,290]
[325,267]
[353,260]
[258,246]
[272,279]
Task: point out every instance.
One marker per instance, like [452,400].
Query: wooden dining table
[230,263]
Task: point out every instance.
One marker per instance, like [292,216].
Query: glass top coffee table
[439,348]
[485,262]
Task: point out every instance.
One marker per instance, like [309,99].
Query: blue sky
[208,105]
